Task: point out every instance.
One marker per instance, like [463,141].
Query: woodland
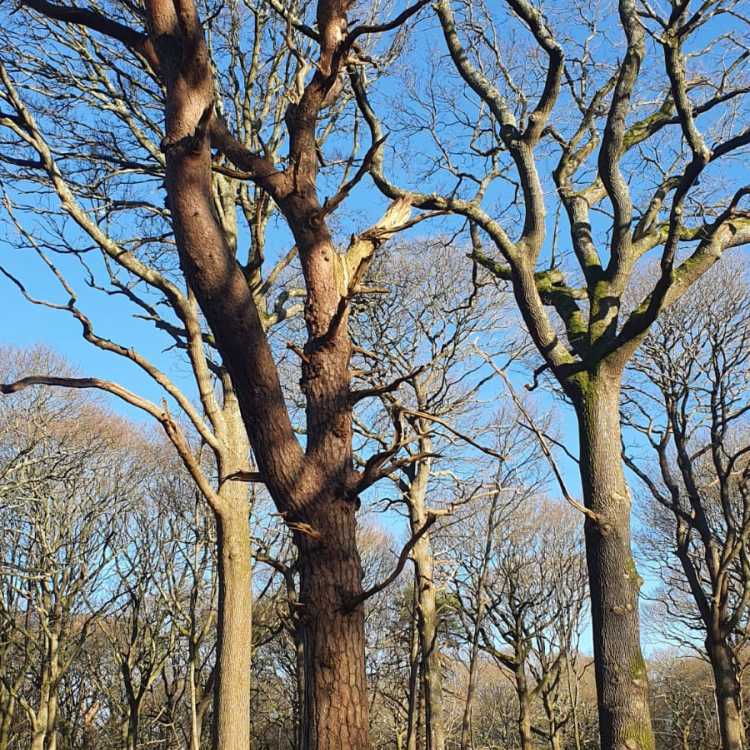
[374,375]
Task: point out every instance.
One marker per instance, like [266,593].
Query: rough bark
[231,727]
[312,489]
[621,679]
[315,489]
[728,695]
[334,714]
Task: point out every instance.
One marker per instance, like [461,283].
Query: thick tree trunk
[315,489]
[231,729]
[524,709]
[335,710]
[621,679]
[728,695]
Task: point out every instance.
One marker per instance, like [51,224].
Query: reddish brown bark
[333,714]
[315,489]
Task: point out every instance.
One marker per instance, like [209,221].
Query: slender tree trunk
[231,728]
[133,728]
[573,694]
[335,710]
[470,691]
[466,733]
[728,695]
[40,720]
[524,725]
[412,715]
[427,615]
[52,722]
[39,733]
[37,738]
[621,679]
[5,722]
[430,655]
[194,731]
[200,716]
[549,701]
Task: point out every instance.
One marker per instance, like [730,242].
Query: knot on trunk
[192,143]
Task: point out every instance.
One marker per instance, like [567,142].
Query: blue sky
[26,325]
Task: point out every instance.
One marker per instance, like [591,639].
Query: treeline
[109,597]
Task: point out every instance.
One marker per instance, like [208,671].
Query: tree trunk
[427,616]
[466,733]
[524,709]
[621,679]
[412,710]
[40,720]
[728,695]
[299,674]
[231,728]
[428,635]
[470,691]
[200,716]
[6,720]
[549,701]
[336,710]
[52,722]
[132,731]
[314,489]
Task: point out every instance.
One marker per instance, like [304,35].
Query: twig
[540,438]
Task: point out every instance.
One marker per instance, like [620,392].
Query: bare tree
[67,479]
[530,609]
[170,61]
[684,718]
[687,397]
[631,155]
[469,542]
[418,333]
